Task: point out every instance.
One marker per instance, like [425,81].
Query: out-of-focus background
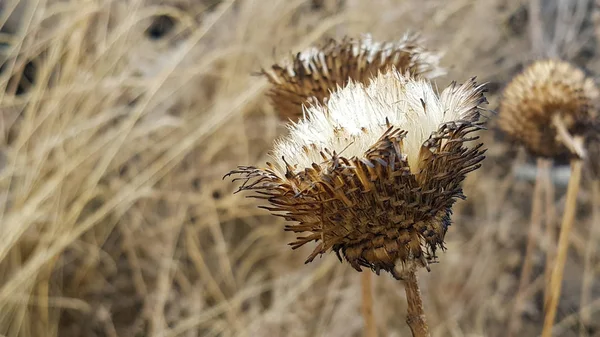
[119,118]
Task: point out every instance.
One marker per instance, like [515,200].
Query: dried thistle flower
[546,97]
[550,109]
[373,173]
[311,75]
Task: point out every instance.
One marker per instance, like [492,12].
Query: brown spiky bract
[310,76]
[532,99]
[374,210]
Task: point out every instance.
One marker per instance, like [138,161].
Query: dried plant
[550,109]
[312,74]
[546,103]
[372,174]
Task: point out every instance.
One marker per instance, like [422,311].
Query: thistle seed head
[311,75]
[546,91]
[373,173]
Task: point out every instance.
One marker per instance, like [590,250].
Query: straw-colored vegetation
[119,119]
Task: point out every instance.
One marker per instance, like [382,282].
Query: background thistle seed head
[373,173]
[543,91]
[311,75]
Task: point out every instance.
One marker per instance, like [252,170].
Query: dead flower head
[545,105]
[312,74]
[373,173]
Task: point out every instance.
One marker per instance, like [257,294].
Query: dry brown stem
[550,227]
[590,253]
[415,317]
[563,245]
[534,231]
[367,303]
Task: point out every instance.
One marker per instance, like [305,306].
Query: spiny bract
[312,74]
[373,173]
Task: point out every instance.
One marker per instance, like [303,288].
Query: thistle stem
[534,231]
[590,253]
[550,227]
[415,317]
[367,303]
[563,246]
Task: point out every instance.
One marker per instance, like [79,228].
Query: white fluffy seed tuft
[354,118]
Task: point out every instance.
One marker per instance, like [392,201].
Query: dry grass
[114,220]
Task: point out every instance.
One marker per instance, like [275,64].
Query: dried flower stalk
[563,245]
[416,315]
[367,305]
[535,222]
[550,108]
[311,75]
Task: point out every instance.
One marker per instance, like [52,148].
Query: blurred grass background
[118,119]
